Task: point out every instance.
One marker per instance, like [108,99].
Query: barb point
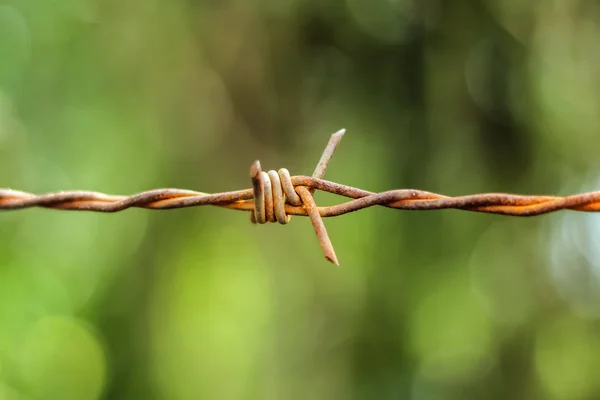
[340,132]
[255,169]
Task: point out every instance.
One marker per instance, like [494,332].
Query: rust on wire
[275,196]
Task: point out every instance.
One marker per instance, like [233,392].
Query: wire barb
[269,201]
[275,196]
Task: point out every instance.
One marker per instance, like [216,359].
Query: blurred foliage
[452,97]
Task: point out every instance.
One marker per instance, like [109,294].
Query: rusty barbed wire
[276,196]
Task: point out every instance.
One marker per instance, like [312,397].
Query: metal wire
[276,196]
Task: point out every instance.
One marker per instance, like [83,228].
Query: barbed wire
[275,196]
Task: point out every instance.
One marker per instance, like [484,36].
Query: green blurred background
[446,96]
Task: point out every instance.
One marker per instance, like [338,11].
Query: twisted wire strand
[401,199]
[276,195]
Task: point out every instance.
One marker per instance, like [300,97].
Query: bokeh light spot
[451,333]
[210,323]
[15,46]
[63,359]
[566,359]
[385,20]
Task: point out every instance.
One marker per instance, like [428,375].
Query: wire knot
[272,190]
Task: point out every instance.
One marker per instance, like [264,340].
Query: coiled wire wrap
[269,188]
[271,192]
